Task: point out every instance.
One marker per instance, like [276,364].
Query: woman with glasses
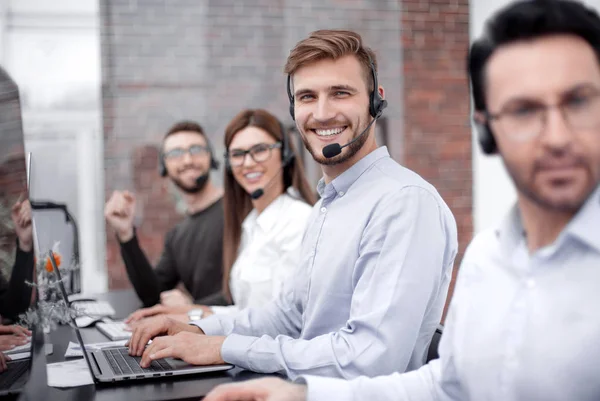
[267,202]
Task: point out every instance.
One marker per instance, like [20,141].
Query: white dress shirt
[369,292]
[269,251]
[521,326]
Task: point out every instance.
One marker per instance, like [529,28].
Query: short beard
[352,150]
[529,192]
[200,184]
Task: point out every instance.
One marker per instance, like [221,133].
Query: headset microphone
[335,149]
[202,180]
[261,191]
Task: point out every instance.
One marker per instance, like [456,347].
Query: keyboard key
[14,371]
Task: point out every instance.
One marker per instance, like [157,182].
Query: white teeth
[329,132]
[252,176]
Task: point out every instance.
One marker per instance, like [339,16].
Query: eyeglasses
[194,150]
[260,153]
[527,121]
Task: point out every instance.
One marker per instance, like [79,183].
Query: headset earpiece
[287,155]
[227,164]
[291,97]
[162,169]
[214,163]
[486,138]
[376,102]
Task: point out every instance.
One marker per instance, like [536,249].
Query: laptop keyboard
[122,363]
[14,371]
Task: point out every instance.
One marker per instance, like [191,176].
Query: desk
[191,388]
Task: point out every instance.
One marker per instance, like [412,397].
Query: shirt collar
[344,181]
[267,219]
[584,225]
[510,231]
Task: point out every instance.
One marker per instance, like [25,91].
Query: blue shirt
[520,326]
[370,287]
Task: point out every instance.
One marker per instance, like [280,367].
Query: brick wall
[206,60]
[163,61]
[435,38]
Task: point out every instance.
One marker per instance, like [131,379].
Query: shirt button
[342,193]
[323,209]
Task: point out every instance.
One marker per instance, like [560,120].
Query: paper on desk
[69,374]
[75,350]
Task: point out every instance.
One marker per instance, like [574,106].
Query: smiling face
[250,174]
[185,168]
[331,100]
[558,166]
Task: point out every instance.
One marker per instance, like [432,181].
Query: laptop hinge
[95,362]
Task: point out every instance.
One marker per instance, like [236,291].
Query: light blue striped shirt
[521,326]
[370,287]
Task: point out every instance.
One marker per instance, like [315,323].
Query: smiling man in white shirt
[524,322]
[378,252]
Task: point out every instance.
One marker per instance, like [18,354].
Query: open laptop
[14,379]
[115,364]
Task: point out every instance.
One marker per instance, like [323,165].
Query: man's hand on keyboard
[148,329]
[158,310]
[3,360]
[192,348]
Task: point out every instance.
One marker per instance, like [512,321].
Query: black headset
[214,163]
[376,102]
[287,155]
[486,138]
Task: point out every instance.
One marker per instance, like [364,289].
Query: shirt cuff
[235,350]
[132,242]
[210,326]
[224,310]
[325,388]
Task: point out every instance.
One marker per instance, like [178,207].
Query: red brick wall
[437,134]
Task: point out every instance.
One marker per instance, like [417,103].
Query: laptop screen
[37,387]
[63,292]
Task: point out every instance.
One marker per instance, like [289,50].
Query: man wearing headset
[377,255]
[523,323]
[192,253]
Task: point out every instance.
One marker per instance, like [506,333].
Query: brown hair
[331,44]
[237,203]
[186,125]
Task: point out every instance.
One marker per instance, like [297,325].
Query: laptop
[14,379]
[114,364]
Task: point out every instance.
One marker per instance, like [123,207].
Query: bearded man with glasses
[193,249]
